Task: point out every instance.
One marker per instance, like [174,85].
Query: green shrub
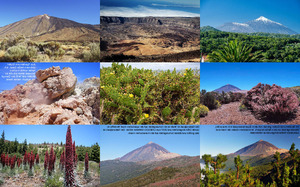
[210,101]
[203,111]
[54,181]
[242,107]
[93,55]
[16,54]
[143,96]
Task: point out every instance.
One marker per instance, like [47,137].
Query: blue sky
[86,11]
[247,75]
[81,71]
[117,144]
[158,8]
[214,142]
[85,135]
[159,66]
[215,12]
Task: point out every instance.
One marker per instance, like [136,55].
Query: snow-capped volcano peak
[262,18]
[266,20]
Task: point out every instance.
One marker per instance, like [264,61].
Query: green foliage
[209,100]
[53,181]
[281,173]
[272,47]
[20,53]
[143,96]
[203,111]
[93,55]
[234,51]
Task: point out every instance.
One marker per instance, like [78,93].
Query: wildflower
[146,115]
[102,87]
[130,95]
[186,69]
[184,74]
[111,73]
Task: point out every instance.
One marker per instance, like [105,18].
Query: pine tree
[276,164]
[95,155]
[238,165]
[2,143]
[69,168]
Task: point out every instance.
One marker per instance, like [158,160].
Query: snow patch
[241,24]
[266,20]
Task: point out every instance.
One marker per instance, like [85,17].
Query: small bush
[93,55]
[210,101]
[271,102]
[203,111]
[16,54]
[242,107]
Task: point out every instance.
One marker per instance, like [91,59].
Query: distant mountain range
[261,147]
[149,152]
[45,28]
[260,24]
[227,88]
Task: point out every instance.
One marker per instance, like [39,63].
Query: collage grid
[149,93]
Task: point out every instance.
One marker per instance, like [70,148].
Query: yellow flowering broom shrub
[143,96]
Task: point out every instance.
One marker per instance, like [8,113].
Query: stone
[64,84]
[42,75]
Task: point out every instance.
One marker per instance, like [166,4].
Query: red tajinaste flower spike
[69,169]
[37,159]
[46,161]
[86,162]
[51,161]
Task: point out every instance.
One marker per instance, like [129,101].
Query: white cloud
[186,6]
[142,11]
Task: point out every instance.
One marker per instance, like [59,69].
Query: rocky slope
[148,152]
[51,99]
[149,38]
[45,28]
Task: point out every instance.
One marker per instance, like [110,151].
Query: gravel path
[229,114]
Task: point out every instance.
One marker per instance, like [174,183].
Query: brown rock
[63,84]
[41,75]
[72,110]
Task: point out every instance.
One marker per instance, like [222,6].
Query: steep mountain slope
[260,24]
[45,27]
[227,88]
[259,148]
[115,170]
[148,152]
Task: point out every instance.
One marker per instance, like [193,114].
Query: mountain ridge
[261,24]
[227,88]
[149,152]
[45,27]
[260,147]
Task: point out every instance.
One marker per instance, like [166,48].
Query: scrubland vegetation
[282,171]
[256,47]
[17,48]
[265,102]
[143,96]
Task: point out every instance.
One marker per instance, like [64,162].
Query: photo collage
[131,93]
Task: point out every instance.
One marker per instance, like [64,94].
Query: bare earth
[230,114]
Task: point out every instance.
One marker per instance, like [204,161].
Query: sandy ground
[229,114]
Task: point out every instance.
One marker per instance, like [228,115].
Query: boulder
[42,75]
[62,85]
